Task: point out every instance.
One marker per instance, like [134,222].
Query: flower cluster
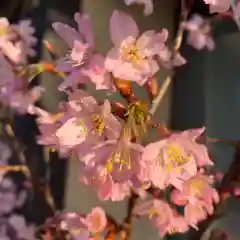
[107,137]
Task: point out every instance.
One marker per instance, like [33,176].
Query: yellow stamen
[98,123]
[120,157]
[81,123]
[153,211]
[130,53]
[3,31]
[176,157]
[172,231]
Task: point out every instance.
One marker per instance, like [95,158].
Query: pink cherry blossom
[195,190]
[163,217]
[148,5]
[175,158]
[103,121]
[131,58]
[82,64]
[24,231]
[120,158]
[195,213]
[97,73]
[74,224]
[96,220]
[199,33]
[218,5]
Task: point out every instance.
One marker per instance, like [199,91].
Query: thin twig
[177,44]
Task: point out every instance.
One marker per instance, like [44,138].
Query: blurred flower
[218,5]
[96,220]
[148,5]
[14,91]
[24,32]
[24,231]
[5,153]
[82,228]
[131,58]
[199,33]
[17,40]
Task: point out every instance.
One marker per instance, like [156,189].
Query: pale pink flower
[10,50]
[195,213]
[82,63]
[218,5]
[196,189]
[99,179]
[24,32]
[96,220]
[148,5]
[169,60]
[103,121]
[97,73]
[22,101]
[56,134]
[164,218]
[4,27]
[131,58]
[199,33]
[175,159]
[75,225]
[120,157]
[83,124]
[23,230]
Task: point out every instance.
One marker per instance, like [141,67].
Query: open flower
[148,5]
[96,220]
[101,117]
[175,159]
[100,179]
[81,64]
[131,58]
[75,225]
[163,217]
[199,33]
[83,228]
[196,189]
[13,91]
[119,157]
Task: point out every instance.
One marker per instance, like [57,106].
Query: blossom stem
[126,227]
[177,44]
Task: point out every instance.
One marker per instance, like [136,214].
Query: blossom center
[172,230]
[176,157]
[153,211]
[120,158]
[130,53]
[3,31]
[96,221]
[98,123]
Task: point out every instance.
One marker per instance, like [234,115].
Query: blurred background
[204,93]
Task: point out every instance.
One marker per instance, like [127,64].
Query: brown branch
[126,226]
